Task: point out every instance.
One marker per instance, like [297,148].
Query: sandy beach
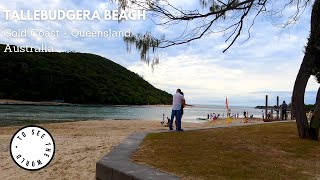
[79,145]
[20,102]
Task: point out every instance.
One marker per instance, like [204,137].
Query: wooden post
[266,108]
[278,110]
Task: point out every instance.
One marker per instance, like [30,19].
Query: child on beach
[162,122]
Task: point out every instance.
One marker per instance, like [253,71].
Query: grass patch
[268,151]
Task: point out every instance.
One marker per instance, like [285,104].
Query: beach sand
[79,145]
[20,102]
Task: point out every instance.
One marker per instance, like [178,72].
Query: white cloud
[268,61]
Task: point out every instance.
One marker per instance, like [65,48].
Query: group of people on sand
[213,116]
[178,103]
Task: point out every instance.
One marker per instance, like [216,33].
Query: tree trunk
[307,65]
[298,108]
[315,120]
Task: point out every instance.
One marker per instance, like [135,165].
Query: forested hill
[74,78]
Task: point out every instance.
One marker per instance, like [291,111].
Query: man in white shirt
[176,109]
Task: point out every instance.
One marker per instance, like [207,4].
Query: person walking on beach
[284,110]
[244,114]
[176,109]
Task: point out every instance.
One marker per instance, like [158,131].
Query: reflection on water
[85,112]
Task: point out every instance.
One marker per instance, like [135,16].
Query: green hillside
[74,78]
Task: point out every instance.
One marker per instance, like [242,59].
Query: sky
[266,64]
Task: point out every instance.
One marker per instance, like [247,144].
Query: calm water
[85,112]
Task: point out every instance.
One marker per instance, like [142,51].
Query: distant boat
[202,119]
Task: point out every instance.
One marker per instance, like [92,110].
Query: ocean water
[87,112]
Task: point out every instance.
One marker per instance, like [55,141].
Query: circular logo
[32,148]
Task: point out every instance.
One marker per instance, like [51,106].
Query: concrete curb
[117,164]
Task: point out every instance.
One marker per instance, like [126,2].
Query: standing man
[284,110]
[176,109]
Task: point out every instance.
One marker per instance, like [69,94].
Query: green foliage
[74,78]
[309,107]
[143,43]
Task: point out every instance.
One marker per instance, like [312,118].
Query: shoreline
[22,102]
[11,123]
[53,103]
